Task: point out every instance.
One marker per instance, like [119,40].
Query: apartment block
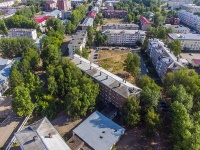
[173,21]
[191,8]
[115,13]
[178,28]
[78,41]
[120,26]
[41,20]
[50,5]
[163,60]
[124,37]
[144,23]
[87,22]
[7,3]
[177,3]
[64,5]
[113,89]
[189,19]
[188,41]
[19,32]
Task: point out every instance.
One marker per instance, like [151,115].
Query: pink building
[50,5]
[41,20]
[64,5]
[173,21]
[144,23]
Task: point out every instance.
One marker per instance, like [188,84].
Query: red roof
[41,19]
[145,20]
[196,61]
[92,14]
[115,11]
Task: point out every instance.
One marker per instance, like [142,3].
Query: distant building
[99,132]
[55,13]
[78,41]
[177,3]
[37,41]
[50,5]
[64,5]
[41,135]
[144,23]
[41,20]
[188,41]
[195,62]
[92,14]
[19,32]
[124,37]
[87,22]
[95,8]
[120,26]
[115,13]
[163,60]
[7,3]
[189,19]
[178,28]
[191,8]
[110,4]
[173,21]
[65,14]
[113,89]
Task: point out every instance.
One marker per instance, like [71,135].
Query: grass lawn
[113,60]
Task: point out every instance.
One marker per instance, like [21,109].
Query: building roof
[184,36]
[114,11]
[120,26]
[144,20]
[92,14]
[179,27]
[41,135]
[88,22]
[113,82]
[113,31]
[196,61]
[77,39]
[3,62]
[40,19]
[99,132]
[95,8]
[20,30]
[191,6]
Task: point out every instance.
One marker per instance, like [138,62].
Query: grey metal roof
[99,132]
[184,36]
[88,22]
[41,129]
[105,77]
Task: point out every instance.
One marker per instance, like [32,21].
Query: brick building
[64,5]
[144,23]
[50,5]
[115,13]
[173,21]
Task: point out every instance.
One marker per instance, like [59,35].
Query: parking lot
[190,56]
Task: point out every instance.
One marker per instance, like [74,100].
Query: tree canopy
[175,47]
[56,24]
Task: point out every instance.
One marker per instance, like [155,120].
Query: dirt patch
[113,20]
[113,61]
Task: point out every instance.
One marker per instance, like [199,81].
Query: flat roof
[180,27]
[20,30]
[40,130]
[115,83]
[77,39]
[88,21]
[120,24]
[99,132]
[184,36]
[114,31]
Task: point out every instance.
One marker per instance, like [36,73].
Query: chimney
[177,58]
[169,60]
[107,77]
[35,138]
[90,67]
[50,135]
[119,84]
[100,73]
[80,62]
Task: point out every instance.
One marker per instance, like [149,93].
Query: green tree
[90,35]
[170,30]
[131,112]
[21,103]
[3,28]
[56,24]
[26,12]
[129,18]
[146,81]
[68,27]
[158,19]
[175,47]
[52,86]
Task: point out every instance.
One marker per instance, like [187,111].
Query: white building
[177,3]
[178,28]
[189,19]
[163,60]
[87,22]
[120,26]
[188,41]
[124,37]
[78,41]
[191,8]
[7,3]
[19,32]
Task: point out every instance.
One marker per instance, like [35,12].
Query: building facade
[189,19]
[178,28]
[191,8]
[19,32]
[87,22]
[120,26]
[177,3]
[124,37]
[173,21]
[78,41]
[50,5]
[163,60]
[144,23]
[7,3]
[188,41]
[115,13]
[64,5]
[113,89]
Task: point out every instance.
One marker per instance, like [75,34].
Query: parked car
[191,54]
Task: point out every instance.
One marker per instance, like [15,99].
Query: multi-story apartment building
[163,60]
[120,26]
[188,41]
[87,22]
[191,8]
[178,28]
[7,3]
[115,13]
[64,5]
[124,37]
[19,32]
[177,3]
[50,5]
[173,21]
[113,89]
[78,41]
[144,23]
[189,19]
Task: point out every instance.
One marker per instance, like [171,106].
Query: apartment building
[7,3]
[41,20]
[189,19]
[87,22]
[191,8]
[163,60]
[144,23]
[177,3]
[50,5]
[188,41]
[178,28]
[173,21]
[19,32]
[115,13]
[124,37]
[113,89]
[120,26]
[78,41]
[64,5]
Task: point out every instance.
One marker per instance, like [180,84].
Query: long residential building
[177,3]
[115,13]
[191,7]
[178,28]
[124,37]
[188,41]
[113,89]
[87,22]
[163,60]
[120,26]
[189,19]
[19,32]
[78,41]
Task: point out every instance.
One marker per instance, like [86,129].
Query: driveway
[142,64]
